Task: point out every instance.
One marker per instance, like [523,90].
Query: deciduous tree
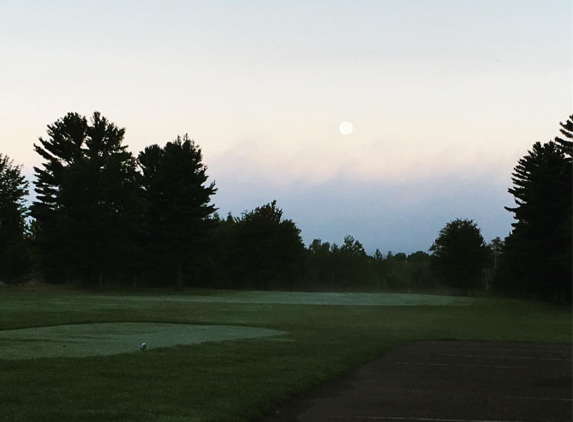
[459,255]
[266,249]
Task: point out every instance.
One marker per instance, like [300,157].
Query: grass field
[212,355]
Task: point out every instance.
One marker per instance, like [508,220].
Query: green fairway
[299,298]
[220,355]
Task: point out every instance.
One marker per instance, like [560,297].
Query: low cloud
[392,210]
[314,163]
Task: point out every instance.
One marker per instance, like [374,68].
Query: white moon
[346,128]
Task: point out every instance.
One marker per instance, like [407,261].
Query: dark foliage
[537,257]
[176,208]
[97,217]
[14,253]
[567,143]
[259,250]
[350,268]
[460,256]
[87,200]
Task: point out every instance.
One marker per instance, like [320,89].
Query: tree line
[103,216]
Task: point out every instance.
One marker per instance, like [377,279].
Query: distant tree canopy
[14,257]
[460,255]
[350,268]
[537,255]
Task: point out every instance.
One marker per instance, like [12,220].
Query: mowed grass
[324,335]
[113,338]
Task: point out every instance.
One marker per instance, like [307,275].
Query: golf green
[113,338]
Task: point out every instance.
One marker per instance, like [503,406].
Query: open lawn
[220,355]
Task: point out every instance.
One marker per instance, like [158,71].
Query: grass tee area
[220,355]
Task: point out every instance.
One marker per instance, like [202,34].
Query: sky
[444,96]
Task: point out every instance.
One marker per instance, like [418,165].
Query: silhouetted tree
[355,271]
[538,250]
[380,270]
[319,265]
[349,267]
[87,199]
[14,254]
[177,206]
[420,269]
[264,249]
[398,272]
[216,273]
[567,131]
[460,255]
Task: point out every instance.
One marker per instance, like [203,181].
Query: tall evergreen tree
[60,150]
[14,257]
[539,248]
[177,206]
[87,199]
[567,131]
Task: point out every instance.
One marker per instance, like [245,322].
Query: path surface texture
[448,381]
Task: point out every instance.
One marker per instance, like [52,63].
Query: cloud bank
[397,205]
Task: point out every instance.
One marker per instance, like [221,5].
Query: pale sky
[444,95]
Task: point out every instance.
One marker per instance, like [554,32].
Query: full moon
[346,128]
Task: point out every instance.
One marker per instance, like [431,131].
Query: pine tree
[539,247]
[87,199]
[14,256]
[177,206]
[60,150]
[567,131]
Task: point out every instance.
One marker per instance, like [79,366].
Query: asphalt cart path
[448,381]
